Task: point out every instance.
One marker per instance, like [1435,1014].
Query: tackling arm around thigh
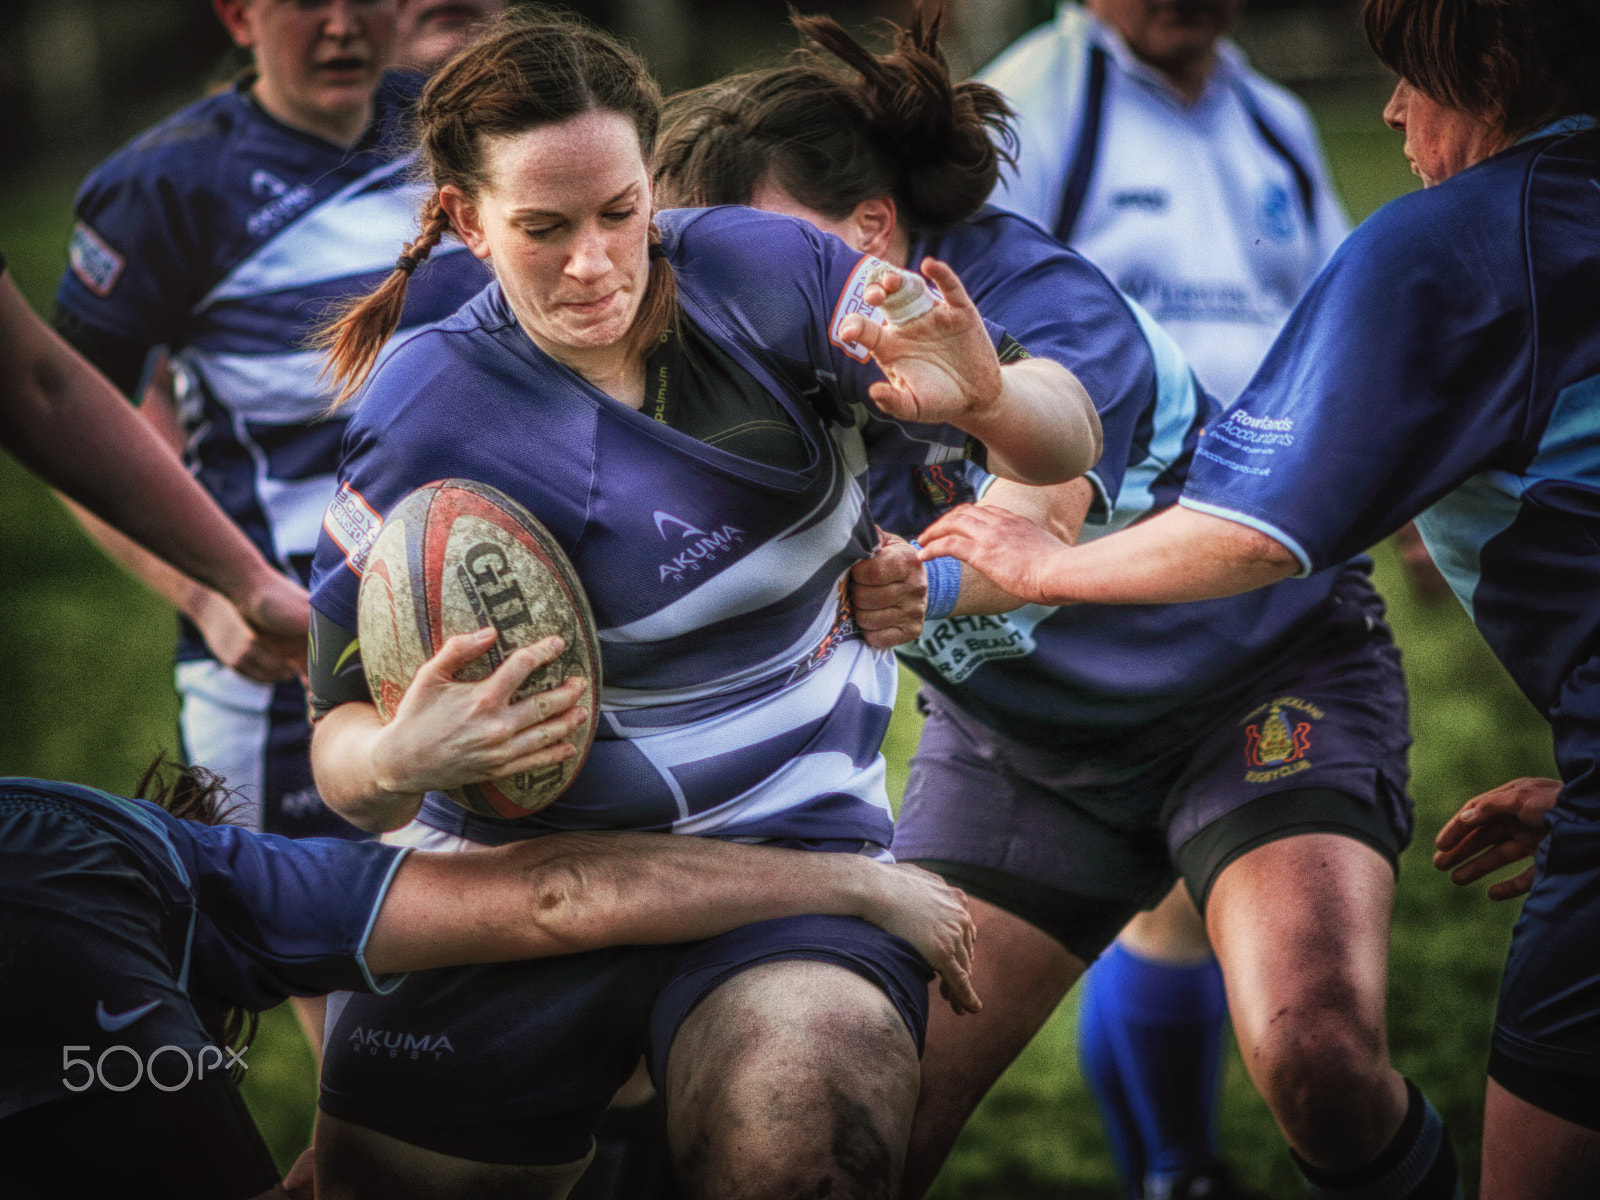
[571,892]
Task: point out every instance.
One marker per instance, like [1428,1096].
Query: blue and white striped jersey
[1447,363]
[1058,677]
[226,236]
[1215,215]
[739,699]
[252,918]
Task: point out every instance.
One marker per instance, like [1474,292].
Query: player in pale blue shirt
[1443,367]
[1148,143]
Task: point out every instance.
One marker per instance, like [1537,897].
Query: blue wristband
[944,586]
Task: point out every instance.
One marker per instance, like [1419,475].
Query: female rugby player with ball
[689,405]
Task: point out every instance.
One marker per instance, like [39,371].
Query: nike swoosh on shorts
[111,1022]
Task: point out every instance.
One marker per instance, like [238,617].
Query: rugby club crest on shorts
[1277,738]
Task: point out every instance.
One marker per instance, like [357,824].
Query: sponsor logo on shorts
[93,261]
[397,1044]
[1277,738]
[703,547]
[353,526]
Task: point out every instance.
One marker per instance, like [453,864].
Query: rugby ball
[452,557]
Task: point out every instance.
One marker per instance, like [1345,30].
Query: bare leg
[313,1014]
[1172,932]
[1022,973]
[792,1079]
[354,1162]
[1529,1154]
[1302,928]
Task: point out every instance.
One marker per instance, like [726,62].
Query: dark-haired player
[1076,760]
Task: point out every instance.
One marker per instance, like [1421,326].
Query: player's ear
[232,15]
[874,219]
[462,210]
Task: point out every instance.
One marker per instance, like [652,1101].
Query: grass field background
[85,656]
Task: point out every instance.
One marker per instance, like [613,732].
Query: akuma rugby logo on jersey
[364,1040]
[703,547]
[1275,742]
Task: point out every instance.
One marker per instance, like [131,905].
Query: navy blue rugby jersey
[1062,676]
[252,917]
[739,698]
[226,236]
[1447,363]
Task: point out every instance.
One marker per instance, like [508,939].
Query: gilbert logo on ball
[455,556]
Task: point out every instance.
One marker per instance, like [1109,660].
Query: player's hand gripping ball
[452,557]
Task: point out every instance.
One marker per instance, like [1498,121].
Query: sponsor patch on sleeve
[353,526]
[850,301]
[95,263]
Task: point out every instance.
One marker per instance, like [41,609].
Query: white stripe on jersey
[295,508]
[270,389]
[765,576]
[350,233]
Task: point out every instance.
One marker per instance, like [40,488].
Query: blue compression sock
[1150,1040]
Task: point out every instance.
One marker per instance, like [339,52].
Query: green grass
[89,697]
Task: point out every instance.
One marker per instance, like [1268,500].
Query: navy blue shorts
[95,1030]
[1076,841]
[516,1062]
[1546,1044]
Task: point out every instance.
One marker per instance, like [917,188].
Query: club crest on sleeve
[1276,742]
[850,301]
[95,263]
[353,526]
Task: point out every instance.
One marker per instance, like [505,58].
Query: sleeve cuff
[1260,526]
[387,983]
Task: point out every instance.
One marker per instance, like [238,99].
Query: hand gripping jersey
[1066,676]
[225,236]
[739,699]
[1214,215]
[1447,363]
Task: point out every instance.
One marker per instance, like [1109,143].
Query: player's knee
[1316,1065]
[841,1149]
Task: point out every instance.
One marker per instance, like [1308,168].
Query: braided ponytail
[353,339]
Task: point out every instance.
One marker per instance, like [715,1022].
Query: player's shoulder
[707,238]
[1005,245]
[179,151]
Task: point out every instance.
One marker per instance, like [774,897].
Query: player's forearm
[1058,508]
[1043,429]
[1179,555]
[63,420]
[572,892]
[347,778]
[185,594]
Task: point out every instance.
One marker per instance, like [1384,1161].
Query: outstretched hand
[1494,830]
[1011,551]
[940,367]
[889,593]
[930,914]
